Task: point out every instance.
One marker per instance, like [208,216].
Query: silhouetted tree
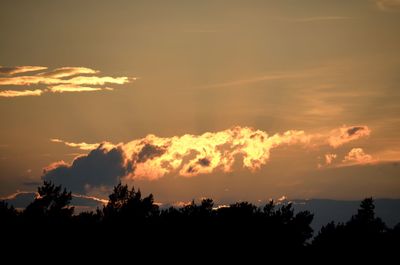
[8,214]
[206,207]
[51,203]
[241,227]
[365,221]
[125,204]
[269,208]
[362,232]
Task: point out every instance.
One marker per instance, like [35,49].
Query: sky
[233,100]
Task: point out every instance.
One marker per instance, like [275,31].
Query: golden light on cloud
[20,93]
[357,156]
[329,158]
[346,134]
[20,69]
[96,80]
[190,155]
[75,88]
[63,72]
[82,146]
[59,80]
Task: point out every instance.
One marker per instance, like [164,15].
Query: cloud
[75,88]
[261,78]
[388,5]
[329,158]
[20,69]
[188,155]
[28,80]
[346,134]
[21,199]
[96,80]
[63,72]
[85,199]
[99,167]
[82,146]
[78,80]
[59,80]
[20,93]
[357,156]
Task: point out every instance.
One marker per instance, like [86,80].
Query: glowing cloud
[82,146]
[74,88]
[188,155]
[20,93]
[357,156]
[96,80]
[63,72]
[59,80]
[20,69]
[329,158]
[78,80]
[346,134]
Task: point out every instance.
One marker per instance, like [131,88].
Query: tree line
[241,226]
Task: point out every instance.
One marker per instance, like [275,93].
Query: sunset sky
[234,100]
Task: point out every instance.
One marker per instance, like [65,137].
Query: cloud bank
[59,80]
[188,155]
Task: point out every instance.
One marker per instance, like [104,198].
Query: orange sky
[235,100]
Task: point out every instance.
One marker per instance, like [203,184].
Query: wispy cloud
[64,79]
[260,78]
[78,80]
[82,145]
[20,69]
[75,88]
[20,93]
[103,201]
[68,71]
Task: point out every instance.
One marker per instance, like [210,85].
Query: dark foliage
[50,205]
[130,220]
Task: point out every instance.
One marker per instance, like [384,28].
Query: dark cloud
[353,130]
[205,162]
[149,151]
[21,199]
[101,167]
[191,170]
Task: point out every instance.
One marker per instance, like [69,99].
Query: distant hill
[326,210]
